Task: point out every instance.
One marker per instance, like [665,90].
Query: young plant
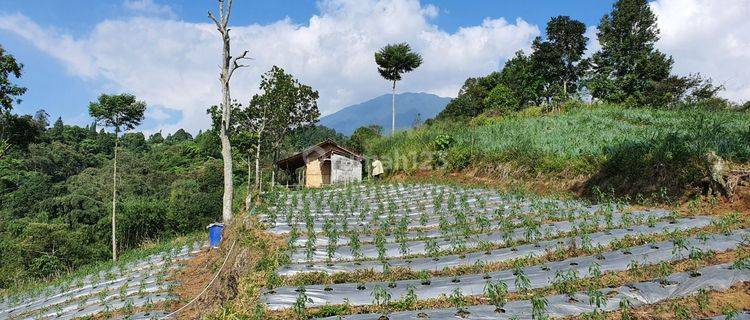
[424,277]
[380,244]
[522,282]
[432,248]
[457,300]
[300,305]
[539,307]
[410,297]
[380,297]
[565,283]
[497,294]
[356,246]
[626,312]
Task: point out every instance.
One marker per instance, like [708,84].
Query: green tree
[156,138]
[178,136]
[122,112]
[295,106]
[502,98]
[520,76]
[470,101]
[628,66]
[558,59]
[303,137]
[9,92]
[363,134]
[394,60]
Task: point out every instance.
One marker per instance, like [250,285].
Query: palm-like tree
[393,60]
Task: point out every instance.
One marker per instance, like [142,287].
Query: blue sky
[64,69]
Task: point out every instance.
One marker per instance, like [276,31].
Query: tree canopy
[628,66]
[9,92]
[121,111]
[396,59]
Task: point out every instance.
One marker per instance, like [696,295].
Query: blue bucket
[214,234]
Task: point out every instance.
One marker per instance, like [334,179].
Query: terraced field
[135,290]
[446,252]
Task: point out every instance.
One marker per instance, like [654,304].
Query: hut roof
[320,150]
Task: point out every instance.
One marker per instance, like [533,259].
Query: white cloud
[148,7]
[174,64]
[711,37]
[60,46]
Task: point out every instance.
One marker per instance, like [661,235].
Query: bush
[458,158]
[440,146]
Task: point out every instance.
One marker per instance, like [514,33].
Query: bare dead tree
[228,67]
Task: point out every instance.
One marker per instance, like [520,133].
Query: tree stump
[718,172]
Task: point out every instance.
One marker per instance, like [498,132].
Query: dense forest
[56,189]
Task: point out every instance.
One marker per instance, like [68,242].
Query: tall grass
[587,140]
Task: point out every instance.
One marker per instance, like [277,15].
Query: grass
[610,144]
[32,287]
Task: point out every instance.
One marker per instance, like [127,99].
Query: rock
[717,175]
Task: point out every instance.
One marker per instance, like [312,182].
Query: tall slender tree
[628,67]
[121,112]
[394,60]
[229,65]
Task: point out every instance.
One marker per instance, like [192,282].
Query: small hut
[323,164]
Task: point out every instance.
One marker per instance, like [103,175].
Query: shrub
[458,158]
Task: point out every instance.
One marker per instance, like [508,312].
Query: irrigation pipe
[207,286]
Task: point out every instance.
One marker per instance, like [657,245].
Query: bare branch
[236,65]
[211,16]
[229,11]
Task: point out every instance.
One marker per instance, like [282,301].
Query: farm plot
[134,290]
[445,252]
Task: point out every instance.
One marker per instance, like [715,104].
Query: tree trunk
[257,166]
[226,156]
[393,109]
[249,184]
[228,66]
[114,201]
[226,146]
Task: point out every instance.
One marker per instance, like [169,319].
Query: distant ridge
[378,111]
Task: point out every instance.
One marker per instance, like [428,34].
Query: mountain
[378,111]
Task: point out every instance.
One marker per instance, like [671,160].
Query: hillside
[631,151]
[378,111]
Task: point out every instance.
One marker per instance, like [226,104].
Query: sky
[167,53]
